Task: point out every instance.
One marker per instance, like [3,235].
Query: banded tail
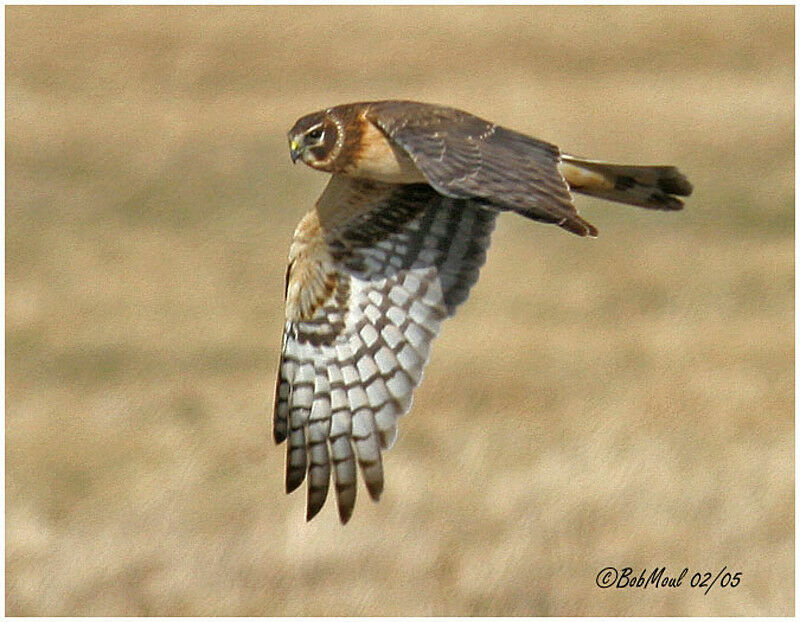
[653,187]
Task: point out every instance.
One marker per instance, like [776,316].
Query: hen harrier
[391,248]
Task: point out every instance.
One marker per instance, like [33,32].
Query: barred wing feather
[380,287]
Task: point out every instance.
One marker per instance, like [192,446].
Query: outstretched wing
[365,299]
[463,156]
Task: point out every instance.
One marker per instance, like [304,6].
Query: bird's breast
[379,159]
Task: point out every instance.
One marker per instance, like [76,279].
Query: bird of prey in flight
[390,250]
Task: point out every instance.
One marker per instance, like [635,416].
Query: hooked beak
[294,150]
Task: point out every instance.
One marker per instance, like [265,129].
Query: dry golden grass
[622,401]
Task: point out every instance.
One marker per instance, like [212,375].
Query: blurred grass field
[625,401]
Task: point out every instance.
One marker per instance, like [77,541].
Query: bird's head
[314,139]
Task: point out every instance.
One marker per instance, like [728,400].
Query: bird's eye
[315,134]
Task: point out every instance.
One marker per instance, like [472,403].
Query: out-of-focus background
[625,401]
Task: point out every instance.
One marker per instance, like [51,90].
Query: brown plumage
[391,248]
[465,157]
